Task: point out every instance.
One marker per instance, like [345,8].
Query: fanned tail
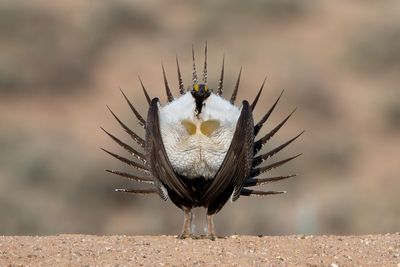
[205,65]
[257,171]
[133,135]
[141,121]
[253,105]
[142,179]
[235,91]
[262,141]
[261,181]
[251,181]
[170,97]
[260,124]
[180,82]
[260,159]
[194,72]
[147,191]
[145,91]
[140,167]
[128,148]
[220,89]
[250,192]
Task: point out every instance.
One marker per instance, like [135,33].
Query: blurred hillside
[61,62]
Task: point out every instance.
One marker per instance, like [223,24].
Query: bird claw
[212,237]
[184,236]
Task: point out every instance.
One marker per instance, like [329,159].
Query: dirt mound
[84,250]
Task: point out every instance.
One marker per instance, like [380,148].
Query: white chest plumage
[196,145]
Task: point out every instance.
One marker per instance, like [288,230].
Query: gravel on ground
[299,250]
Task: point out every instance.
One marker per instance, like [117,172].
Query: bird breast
[197,145]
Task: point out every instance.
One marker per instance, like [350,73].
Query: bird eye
[196,87]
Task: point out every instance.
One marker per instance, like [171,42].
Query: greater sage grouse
[200,148]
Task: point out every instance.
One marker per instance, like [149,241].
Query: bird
[200,149]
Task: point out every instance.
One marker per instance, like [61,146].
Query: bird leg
[187,224]
[210,227]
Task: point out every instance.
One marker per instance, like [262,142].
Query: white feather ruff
[197,155]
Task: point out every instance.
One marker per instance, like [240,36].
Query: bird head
[200,91]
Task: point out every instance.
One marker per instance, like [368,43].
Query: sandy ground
[84,250]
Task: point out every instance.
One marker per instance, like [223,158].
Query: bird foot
[211,237]
[184,236]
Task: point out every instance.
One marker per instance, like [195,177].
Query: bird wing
[161,167]
[237,164]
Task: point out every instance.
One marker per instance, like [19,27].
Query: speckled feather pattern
[197,155]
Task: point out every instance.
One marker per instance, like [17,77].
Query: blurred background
[61,62]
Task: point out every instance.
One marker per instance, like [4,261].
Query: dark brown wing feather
[237,163]
[160,165]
